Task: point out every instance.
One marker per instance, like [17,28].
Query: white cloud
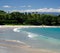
[23,6]
[40,10]
[43,10]
[29,6]
[7,6]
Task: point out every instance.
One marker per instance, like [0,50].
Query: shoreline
[27,26]
[24,47]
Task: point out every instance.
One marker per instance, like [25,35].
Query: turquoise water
[49,32]
[48,38]
[44,38]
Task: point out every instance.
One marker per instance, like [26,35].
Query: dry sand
[26,26]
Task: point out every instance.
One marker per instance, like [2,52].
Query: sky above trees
[30,5]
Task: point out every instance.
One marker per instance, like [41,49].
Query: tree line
[34,18]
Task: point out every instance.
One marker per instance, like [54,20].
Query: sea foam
[16,30]
[32,35]
[38,36]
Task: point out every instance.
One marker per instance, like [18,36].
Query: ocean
[41,38]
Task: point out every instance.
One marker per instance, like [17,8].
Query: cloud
[40,10]
[7,6]
[29,6]
[24,6]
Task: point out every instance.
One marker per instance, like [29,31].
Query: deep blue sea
[44,38]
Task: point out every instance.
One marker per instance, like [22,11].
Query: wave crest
[32,35]
[38,36]
[16,30]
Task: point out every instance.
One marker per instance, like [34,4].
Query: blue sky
[30,5]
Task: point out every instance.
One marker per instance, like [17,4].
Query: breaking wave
[44,38]
[38,36]
[32,35]
[16,30]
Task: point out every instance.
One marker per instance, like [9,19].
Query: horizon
[30,6]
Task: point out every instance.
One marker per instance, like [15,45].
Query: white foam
[16,30]
[45,38]
[32,35]
[17,41]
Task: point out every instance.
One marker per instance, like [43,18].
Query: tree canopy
[17,18]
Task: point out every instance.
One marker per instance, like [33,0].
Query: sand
[9,48]
[21,48]
[26,26]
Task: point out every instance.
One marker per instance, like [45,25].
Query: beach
[13,46]
[8,48]
[25,26]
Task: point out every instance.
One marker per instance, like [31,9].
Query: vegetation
[17,18]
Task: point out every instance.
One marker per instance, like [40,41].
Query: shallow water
[48,38]
[43,38]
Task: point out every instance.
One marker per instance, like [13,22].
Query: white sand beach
[6,48]
[26,26]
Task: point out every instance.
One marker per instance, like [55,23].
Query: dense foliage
[17,18]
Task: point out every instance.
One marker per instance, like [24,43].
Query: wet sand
[23,50]
[12,46]
[8,47]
